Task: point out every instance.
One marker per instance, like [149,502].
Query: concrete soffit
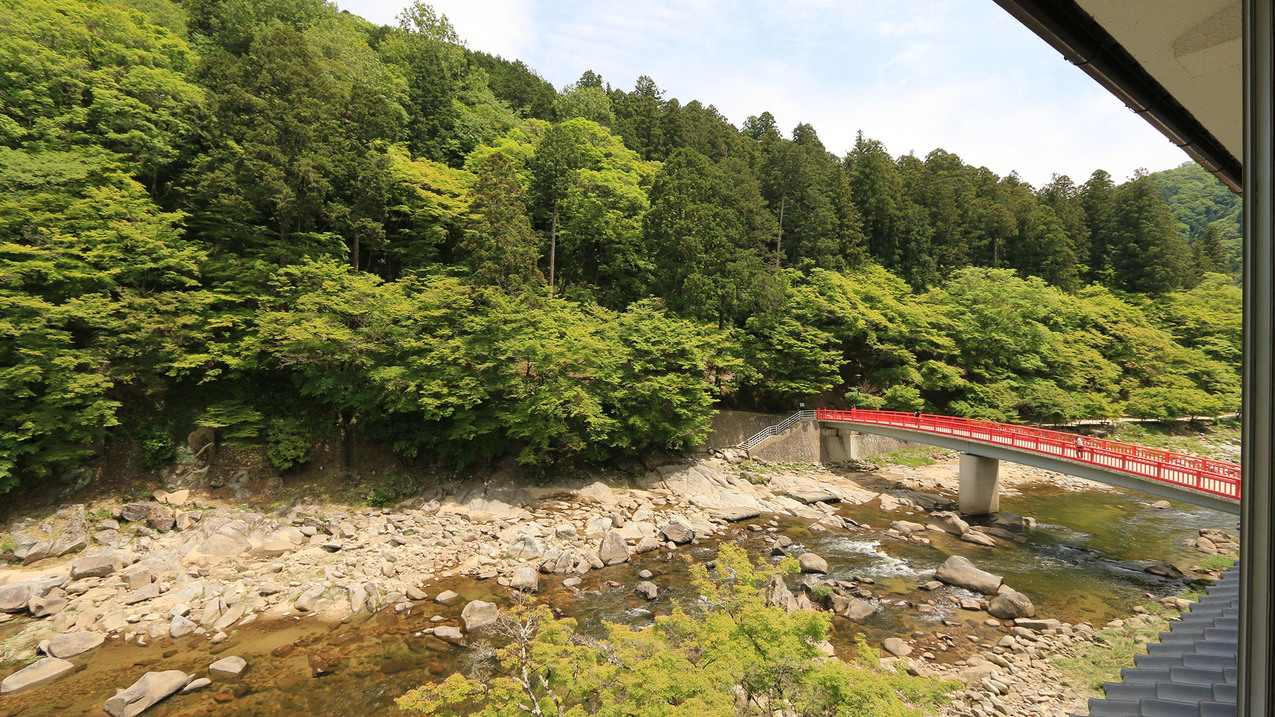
[1176,63]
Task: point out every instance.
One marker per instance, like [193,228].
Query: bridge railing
[1204,474]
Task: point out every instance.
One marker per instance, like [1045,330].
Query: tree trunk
[553,245]
[354,252]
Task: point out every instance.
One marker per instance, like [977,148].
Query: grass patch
[1216,563]
[910,457]
[1090,664]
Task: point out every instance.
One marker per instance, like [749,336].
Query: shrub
[734,646]
[288,443]
[157,446]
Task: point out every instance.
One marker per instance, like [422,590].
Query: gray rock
[74,643]
[449,633]
[677,531]
[42,672]
[646,545]
[196,685]
[47,605]
[959,571]
[446,597]
[571,582]
[309,599]
[15,597]
[526,548]
[161,519]
[948,521]
[1011,605]
[852,608]
[777,594]
[811,563]
[180,627]
[135,512]
[907,527]
[648,590]
[479,614]
[227,668]
[613,550]
[1161,505]
[896,647]
[147,691]
[415,593]
[525,579]
[978,537]
[33,551]
[93,566]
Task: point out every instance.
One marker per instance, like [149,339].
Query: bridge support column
[980,492]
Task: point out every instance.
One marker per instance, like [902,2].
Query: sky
[961,75]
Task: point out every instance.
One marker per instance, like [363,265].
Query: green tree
[709,229]
[1148,253]
[503,251]
[703,664]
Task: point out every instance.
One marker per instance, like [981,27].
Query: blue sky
[916,74]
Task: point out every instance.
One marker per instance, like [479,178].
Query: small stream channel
[1082,563]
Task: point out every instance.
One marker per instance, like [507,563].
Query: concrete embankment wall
[731,428]
[808,442]
[805,442]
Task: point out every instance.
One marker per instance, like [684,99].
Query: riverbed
[1082,562]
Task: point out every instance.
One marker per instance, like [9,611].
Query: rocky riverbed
[184,567]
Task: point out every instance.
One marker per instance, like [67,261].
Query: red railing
[1203,474]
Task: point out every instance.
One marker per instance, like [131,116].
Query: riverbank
[191,568]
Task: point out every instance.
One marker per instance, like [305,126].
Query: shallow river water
[1082,563]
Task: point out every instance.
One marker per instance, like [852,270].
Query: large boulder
[15,597]
[135,512]
[93,566]
[227,668]
[852,608]
[959,571]
[613,550]
[811,563]
[525,579]
[948,521]
[42,672]
[677,531]
[897,647]
[1008,606]
[51,604]
[478,614]
[777,594]
[141,695]
[74,643]
[180,627]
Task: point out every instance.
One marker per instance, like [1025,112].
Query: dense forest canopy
[283,222]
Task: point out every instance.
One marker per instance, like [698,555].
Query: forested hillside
[283,222]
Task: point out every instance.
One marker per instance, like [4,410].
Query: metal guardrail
[777,429]
[1219,478]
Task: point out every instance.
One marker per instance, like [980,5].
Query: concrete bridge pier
[980,485]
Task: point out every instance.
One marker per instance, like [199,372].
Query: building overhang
[1176,63]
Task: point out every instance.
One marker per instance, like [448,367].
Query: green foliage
[288,443]
[688,664]
[158,449]
[380,497]
[287,220]
[1216,563]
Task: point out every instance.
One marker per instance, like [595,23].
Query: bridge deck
[1176,476]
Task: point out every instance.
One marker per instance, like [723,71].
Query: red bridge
[1177,476]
